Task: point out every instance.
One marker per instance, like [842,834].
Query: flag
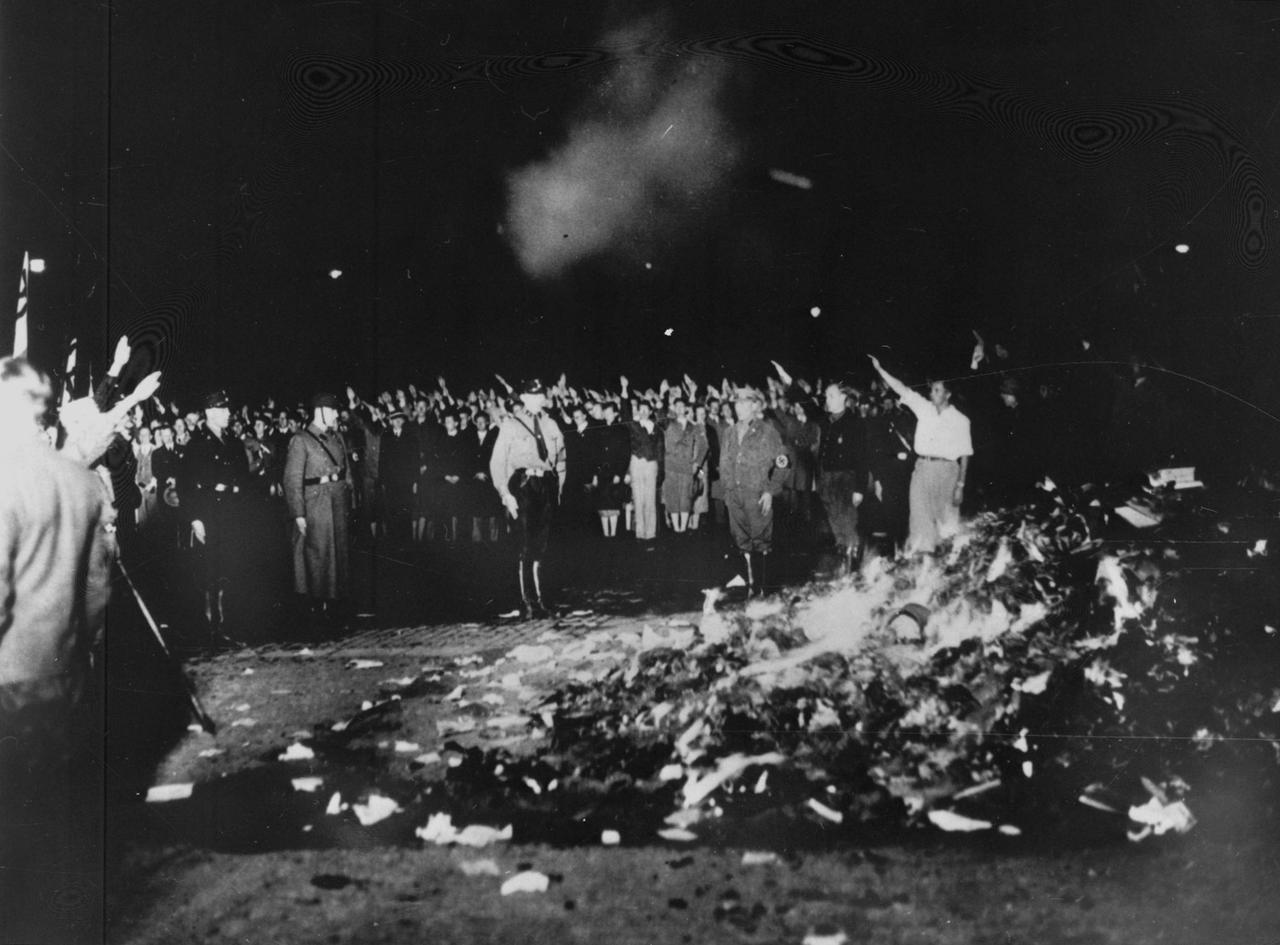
[20,323]
[69,374]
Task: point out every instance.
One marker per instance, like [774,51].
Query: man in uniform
[752,460]
[842,460]
[56,553]
[217,474]
[317,492]
[527,468]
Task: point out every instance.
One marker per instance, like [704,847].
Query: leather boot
[539,608]
[526,604]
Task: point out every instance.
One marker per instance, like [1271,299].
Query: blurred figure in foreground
[57,547]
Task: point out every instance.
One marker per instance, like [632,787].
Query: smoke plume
[635,168]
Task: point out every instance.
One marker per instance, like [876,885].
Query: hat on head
[748,393]
[533,386]
[217,398]
[325,400]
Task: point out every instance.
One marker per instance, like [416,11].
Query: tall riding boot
[539,608]
[761,584]
[525,603]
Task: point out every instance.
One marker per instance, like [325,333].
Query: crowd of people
[859,461]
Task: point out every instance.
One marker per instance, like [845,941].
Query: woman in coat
[685,453]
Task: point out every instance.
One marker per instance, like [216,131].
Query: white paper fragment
[677,834]
[309,784]
[529,881]
[1156,817]
[305,651]
[455,694]
[480,868]
[1009,830]
[195,727]
[297,752]
[833,938]
[248,671]
[210,753]
[364,664]
[822,810]
[430,758]
[335,804]
[953,822]
[406,748]
[672,772]
[1259,549]
[376,809]
[610,838]
[1027,769]
[758,858]
[440,830]
[168,792]
[243,723]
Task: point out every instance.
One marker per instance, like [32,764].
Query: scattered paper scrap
[677,834]
[758,858]
[822,810]
[480,868]
[440,830]
[168,792]
[406,748]
[297,752]
[957,823]
[1157,817]
[375,809]
[610,838]
[837,937]
[335,804]
[529,881]
[309,784]
[364,664]
[243,723]
[429,758]
[210,753]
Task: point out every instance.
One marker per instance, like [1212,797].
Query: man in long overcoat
[317,491]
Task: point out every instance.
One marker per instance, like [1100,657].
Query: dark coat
[320,564]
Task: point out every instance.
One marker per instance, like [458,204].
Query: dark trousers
[837,488]
[536,500]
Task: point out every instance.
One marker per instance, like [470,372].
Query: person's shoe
[539,610]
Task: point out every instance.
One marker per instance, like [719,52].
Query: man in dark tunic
[842,460]
[317,492]
[218,482]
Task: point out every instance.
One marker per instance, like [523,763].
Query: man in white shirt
[943,447]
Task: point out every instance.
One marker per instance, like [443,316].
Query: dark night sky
[1021,168]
